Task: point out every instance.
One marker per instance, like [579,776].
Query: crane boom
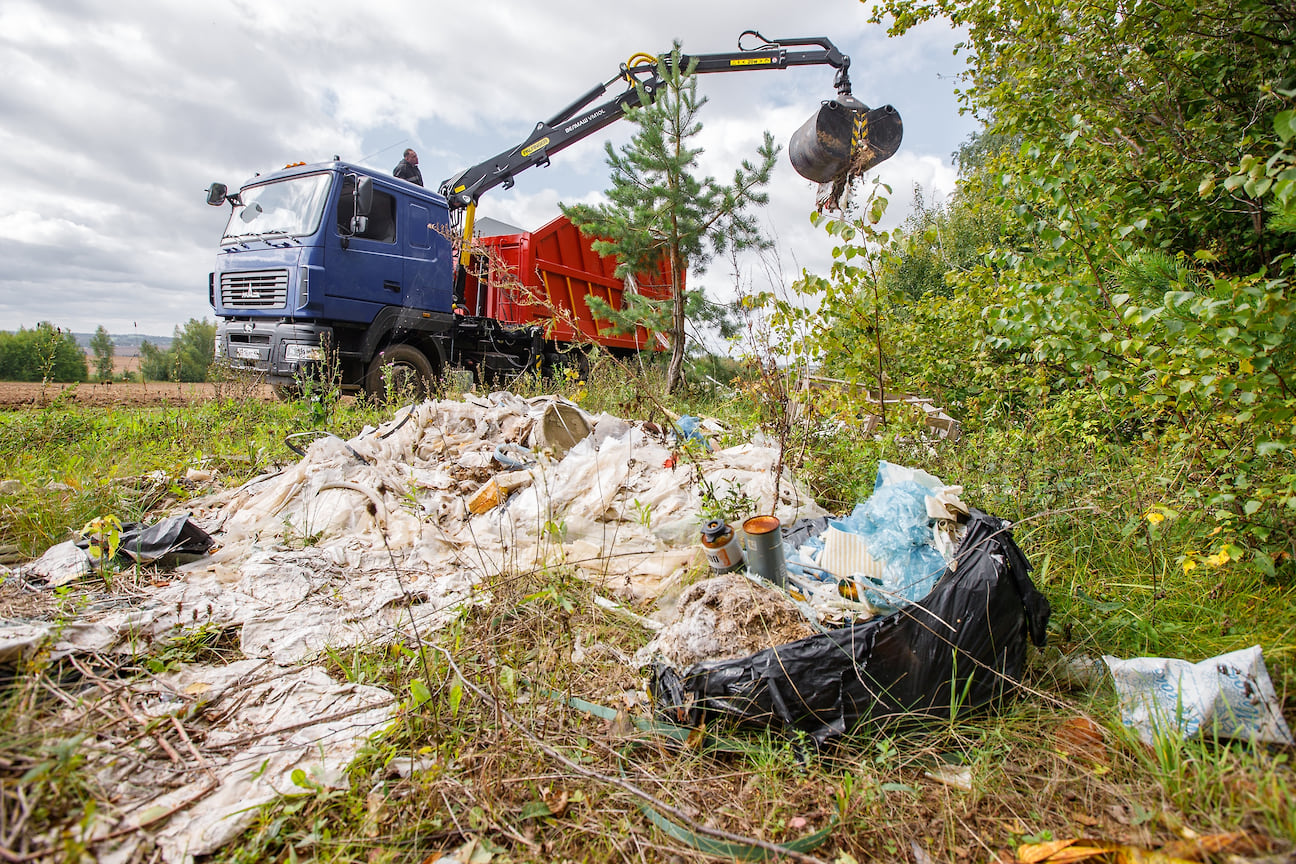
[842,139]
[579,120]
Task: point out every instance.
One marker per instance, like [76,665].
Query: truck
[389,283]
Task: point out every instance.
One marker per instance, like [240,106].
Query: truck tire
[411,374]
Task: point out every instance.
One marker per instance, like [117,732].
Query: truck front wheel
[399,372]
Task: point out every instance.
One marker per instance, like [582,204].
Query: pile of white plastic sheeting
[619,505]
[361,542]
[248,728]
[288,605]
[364,538]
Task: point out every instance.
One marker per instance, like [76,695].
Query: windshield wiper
[264,236]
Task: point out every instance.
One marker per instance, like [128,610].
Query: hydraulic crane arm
[841,140]
[578,120]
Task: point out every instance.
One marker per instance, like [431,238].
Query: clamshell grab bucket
[844,136]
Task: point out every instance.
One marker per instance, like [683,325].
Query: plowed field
[18,394]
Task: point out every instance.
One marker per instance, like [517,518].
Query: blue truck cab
[332,262]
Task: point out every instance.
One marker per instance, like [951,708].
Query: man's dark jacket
[406,171]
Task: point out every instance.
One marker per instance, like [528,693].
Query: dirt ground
[20,394]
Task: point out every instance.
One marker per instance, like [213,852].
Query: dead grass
[1029,775]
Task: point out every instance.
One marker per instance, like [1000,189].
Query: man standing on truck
[407,168]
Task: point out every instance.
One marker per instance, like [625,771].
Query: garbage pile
[938,604]
[913,604]
[359,542]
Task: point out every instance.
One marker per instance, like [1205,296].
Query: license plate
[247,353]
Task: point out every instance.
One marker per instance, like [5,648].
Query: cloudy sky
[115,117]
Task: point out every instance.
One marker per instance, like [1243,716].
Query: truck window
[382,216]
[285,208]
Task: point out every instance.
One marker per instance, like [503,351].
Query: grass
[1053,763]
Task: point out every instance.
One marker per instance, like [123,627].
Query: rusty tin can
[765,549]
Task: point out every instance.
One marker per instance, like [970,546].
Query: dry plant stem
[130,829]
[409,601]
[623,785]
[341,715]
[184,736]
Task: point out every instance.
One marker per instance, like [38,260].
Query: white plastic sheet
[364,541]
[1229,696]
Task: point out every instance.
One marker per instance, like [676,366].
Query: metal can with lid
[723,551]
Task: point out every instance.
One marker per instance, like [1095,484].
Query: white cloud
[115,117]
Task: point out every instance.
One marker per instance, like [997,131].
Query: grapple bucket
[844,137]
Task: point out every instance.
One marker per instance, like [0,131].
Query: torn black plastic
[962,647]
[173,541]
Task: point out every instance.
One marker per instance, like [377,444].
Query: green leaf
[534,810]
[419,692]
[508,680]
[1285,125]
[456,696]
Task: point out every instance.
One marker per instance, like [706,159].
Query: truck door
[427,264]
[365,269]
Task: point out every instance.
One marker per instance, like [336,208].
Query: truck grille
[257,289]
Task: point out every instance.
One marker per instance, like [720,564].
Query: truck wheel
[411,374]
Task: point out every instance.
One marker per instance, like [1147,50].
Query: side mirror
[216,194]
[359,224]
[363,196]
[251,212]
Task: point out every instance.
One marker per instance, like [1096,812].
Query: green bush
[189,357]
[45,353]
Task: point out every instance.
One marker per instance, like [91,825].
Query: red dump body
[543,276]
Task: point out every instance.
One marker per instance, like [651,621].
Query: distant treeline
[50,353]
[44,353]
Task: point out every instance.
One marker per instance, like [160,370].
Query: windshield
[285,208]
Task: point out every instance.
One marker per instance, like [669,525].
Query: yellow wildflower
[1189,565]
[1155,517]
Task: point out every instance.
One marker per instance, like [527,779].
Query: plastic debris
[1229,696]
[271,723]
[496,489]
[19,639]
[888,552]
[61,564]
[967,637]
[174,540]
[561,427]
[689,430]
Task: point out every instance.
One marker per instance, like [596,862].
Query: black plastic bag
[961,647]
[175,540]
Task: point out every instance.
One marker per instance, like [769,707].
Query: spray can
[765,549]
[723,551]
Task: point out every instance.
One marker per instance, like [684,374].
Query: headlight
[219,350]
[296,351]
